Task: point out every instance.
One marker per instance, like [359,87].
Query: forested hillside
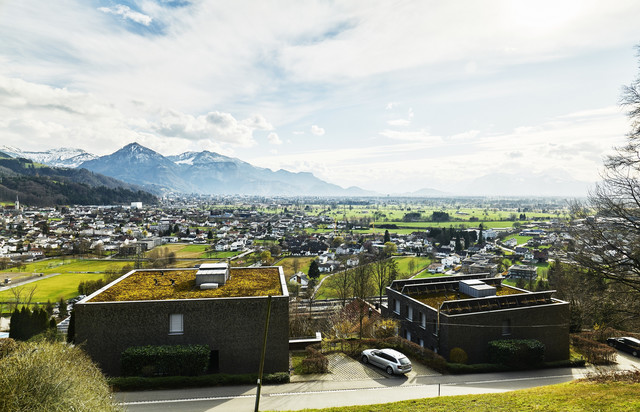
[40,185]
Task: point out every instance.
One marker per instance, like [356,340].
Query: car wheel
[635,353]
[389,370]
[365,360]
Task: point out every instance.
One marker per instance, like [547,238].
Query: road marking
[222,398]
[209,398]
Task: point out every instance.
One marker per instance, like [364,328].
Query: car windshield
[404,361]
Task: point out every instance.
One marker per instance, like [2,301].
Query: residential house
[469,311]
[214,305]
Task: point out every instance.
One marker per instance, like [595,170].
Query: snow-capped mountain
[60,157]
[208,173]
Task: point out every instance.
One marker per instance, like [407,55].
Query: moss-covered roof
[435,299]
[141,285]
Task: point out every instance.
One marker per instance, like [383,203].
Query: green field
[52,289]
[419,264]
[287,265]
[71,273]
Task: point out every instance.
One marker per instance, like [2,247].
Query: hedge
[135,383]
[516,353]
[167,360]
[315,362]
[594,352]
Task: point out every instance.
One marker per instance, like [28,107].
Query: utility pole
[264,352]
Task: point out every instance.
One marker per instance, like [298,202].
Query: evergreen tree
[71,332]
[314,271]
[387,237]
[62,306]
[15,328]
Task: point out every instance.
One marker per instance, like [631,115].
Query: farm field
[287,265]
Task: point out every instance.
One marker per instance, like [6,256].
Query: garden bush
[45,376]
[315,362]
[458,355]
[516,353]
[172,360]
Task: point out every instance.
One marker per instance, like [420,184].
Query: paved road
[352,383]
[324,394]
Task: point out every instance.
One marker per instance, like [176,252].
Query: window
[175,324]
[506,327]
[408,335]
[422,343]
[423,320]
[410,313]
[397,306]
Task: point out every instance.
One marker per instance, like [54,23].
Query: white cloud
[126,13]
[317,130]
[274,138]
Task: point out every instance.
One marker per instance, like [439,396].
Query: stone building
[469,311]
[223,308]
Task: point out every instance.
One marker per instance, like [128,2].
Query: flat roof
[181,284]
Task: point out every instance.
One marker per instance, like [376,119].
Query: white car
[390,360]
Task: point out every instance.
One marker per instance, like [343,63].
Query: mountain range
[191,172]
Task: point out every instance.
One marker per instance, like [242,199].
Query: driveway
[343,368]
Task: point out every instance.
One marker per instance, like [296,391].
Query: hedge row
[135,383]
[315,362]
[594,352]
[165,360]
[516,353]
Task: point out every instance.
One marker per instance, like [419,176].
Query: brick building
[469,311]
[215,306]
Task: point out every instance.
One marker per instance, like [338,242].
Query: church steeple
[17,203]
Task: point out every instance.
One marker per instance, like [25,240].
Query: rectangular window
[506,327]
[423,320]
[397,307]
[410,313]
[175,324]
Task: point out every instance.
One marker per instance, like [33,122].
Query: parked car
[390,360]
[630,345]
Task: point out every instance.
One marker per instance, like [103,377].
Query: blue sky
[387,96]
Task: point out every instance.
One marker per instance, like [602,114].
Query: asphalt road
[323,394]
[352,383]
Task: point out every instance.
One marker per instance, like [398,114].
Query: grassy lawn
[571,397]
[520,239]
[287,265]
[420,262]
[64,285]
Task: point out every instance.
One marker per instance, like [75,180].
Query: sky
[389,96]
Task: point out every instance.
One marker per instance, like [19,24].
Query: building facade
[231,326]
[437,313]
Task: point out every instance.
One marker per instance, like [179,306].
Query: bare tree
[606,229]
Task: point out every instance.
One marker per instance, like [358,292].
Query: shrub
[594,352]
[7,346]
[516,353]
[174,360]
[315,362]
[458,355]
[43,376]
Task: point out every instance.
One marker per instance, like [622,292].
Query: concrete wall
[232,326]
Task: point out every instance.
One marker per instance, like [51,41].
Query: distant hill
[39,185]
[208,173]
